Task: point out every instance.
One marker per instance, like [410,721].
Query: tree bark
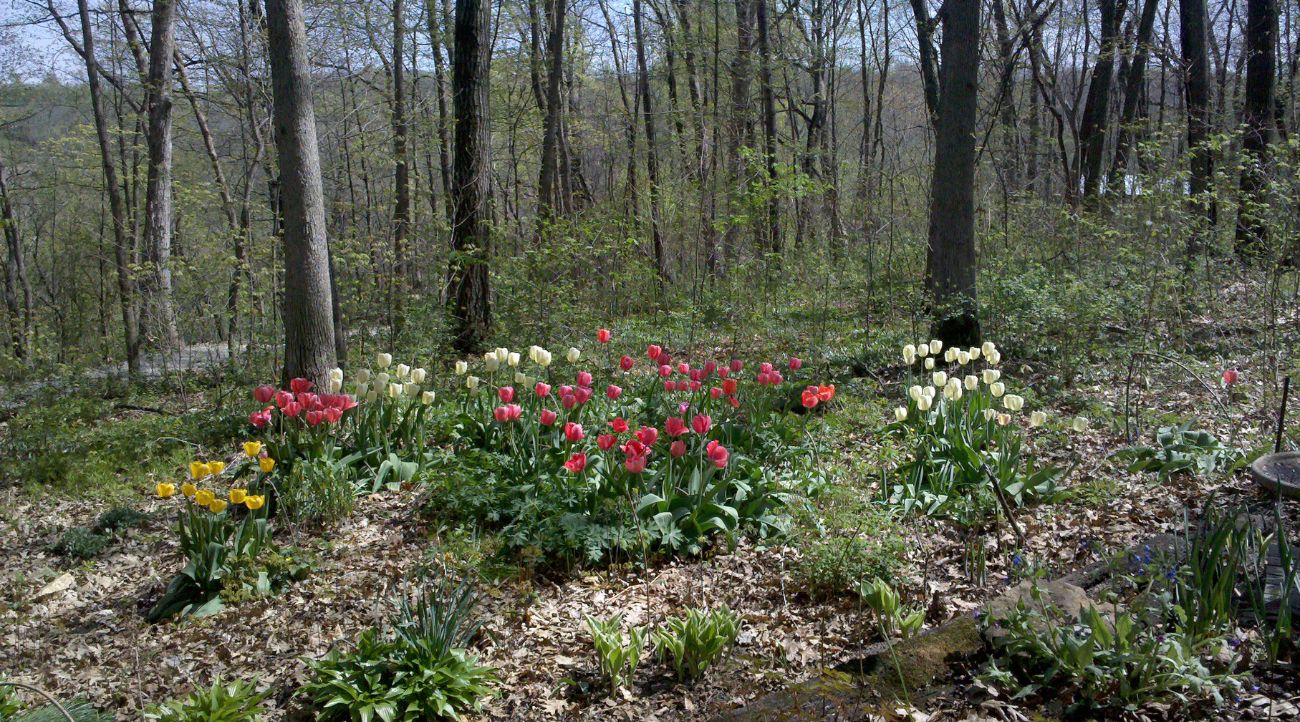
[1259,121]
[769,124]
[401,164]
[1196,95]
[548,195]
[1133,85]
[309,350]
[652,154]
[929,63]
[20,316]
[950,263]
[470,296]
[1096,111]
[157,287]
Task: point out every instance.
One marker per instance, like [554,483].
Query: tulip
[915,393]
[736,365]
[461,368]
[993,358]
[471,382]
[997,388]
[522,379]
[216,506]
[729,386]
[1080,424]
[332,415]
[612,392]
[300,385]
[372,395]
[506,394]
[254,502]
[665,371]
[987,348]
[204,497]
[252,448]
[573,355]
[972,382]
[584,378]
[165,490]
[490,362]
[674,426]
[974,352]
[924,403]
[653,352]
[909,354]
[1004,419]
[935,345]
[574,433]
[283,398]
[426,398]
[315,417]
[501,354]
[336,374]
[419,375]
[264,393]
[259,420]
[963,357]
[602,335]
[1230,377]
[384,360]
[717,454]
[411,390]
[715,392]
[364,375]
[361,389]
[989,414]
[635,464]
[950,355]
[619,425]
[188,489]
[940,378]
[583,394]
[542,390]
[1013,402]
[394,390]
[928,392]
[543,358]
[576,463]
[809,397]
[626,363]
[512,359]
[547,417]
[1038,418]
[381,380]
[991,375]
[681,385]
[199,470]
[266,464]
[923,349]
[900,413]
[606,441]
[735,402]
[647,435]
[929,363]
[795,364]
[709,368]
[237,496]
[701,424]
[952,390]
[677,449]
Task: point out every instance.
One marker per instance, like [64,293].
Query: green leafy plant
[415,670]
[78,542]
[695,642]
[318,491]
[616,659]
[1182,449]
[828,566]
[119,519]
[236,701]
[895,620]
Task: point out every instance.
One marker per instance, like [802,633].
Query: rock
[62,583]
[1066,599]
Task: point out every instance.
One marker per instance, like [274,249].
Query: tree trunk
[159,313]
[548,195]
[769,125]
[1133,86]
[401,165]
[1259,119]
[470,297]
[20,316]
[309,350]
[651,155]
[1196,95]
[950,263]
[925,43]
[1096,111]
[122,246]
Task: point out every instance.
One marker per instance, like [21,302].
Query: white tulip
[381,379]
[936,345]
[974,352]
[952,391]
[1013,402]
[521,378]
[928,392]
[963,358]
[491,363]
[923,349]
[915,393]
[949,355]
[363,376]
[987,347]
[513,359]
[471,382]
[532,352]
[403,371]
[1004,419]
[372,395]
[909,354]
[1080,424]
[543,358]
[410,389]
[502,354]
[426,398]
[394,390]
[900,413]
[336,385]
[361,390]
[991,375]
[989,414]
[384,360]
[940,378]
[924,404]
[994,357]
[336,374]
[972,382]
[997,388]
[418,375]
[573,355]
[461,368]
[1038,418]
[929,363]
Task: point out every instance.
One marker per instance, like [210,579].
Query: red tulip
[626,363]
[282,398]
[619,425]
[542,390]
[568,401]
[332,414]
[576,463]
[259,420]
[508,413]
[809,397]
[346,402]
[724,372]
[315,417]
[765,367]
[635,464]
[506,394]
[826,393]
[683,368]
[709,368]
[729,387]
[653,351]
[736,365]
[647,435]
[292,409]
[1231,376]
[718,454]
[300,385]
[566,390]
[677,449]
[795,364]
[701,424]
[777,378]
[583,393]
[665,370]
[675,426]
[715,393]
[574,433]
[606,441]
[682,385]
[548,417]
[584,378]
[612,392]
[669,386]
[602,335]
[696,386]
[638,455]
[735,402]
[264,393]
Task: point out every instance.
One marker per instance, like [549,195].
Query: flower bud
[909,354]
[513,359]
[426,398]
[940,378]
[471,382]
[403,371]
[935,346]
[461,368]
[573,355]
[363,376]
[991,375]
[972,382]
[900,413]
[1036,419]
[997,389]
[929,363]
[418,375]
[384,360]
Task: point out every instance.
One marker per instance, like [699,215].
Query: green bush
[417,670]
[119,519]
[829,566]
[79,542]
[695,642]
[234,702]
[318,491]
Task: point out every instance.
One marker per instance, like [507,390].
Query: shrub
[78,542]
[695,642]
[828,566]
[234,702]
[617,660]
[119,519]
[416,670]
[1181,449]
[318,490]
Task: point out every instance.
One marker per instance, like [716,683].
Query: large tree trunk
[122,245]
[651,147]
[1096,110]
[159,314]
[548,193]
[950,263]
[20,315]
[1259,119]
[309,349]
[1196,94]
[401,165]
[1133,85]
[738,123]
[769,124]
[470,296]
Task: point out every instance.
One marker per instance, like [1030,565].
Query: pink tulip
[665,371]
[542,390]
[626,363]
[715,393]
[677,449]
[669,386]
[574,433]
[736,365]
[701,424]
[568,401]
[1231,376]
[506,394]
[647,435]
[300,385]
[718,454]
[683,368]
[332,414]
[576,463]
[619,426]
[292,409]
[583,394]
[653,351]
[606,441]
[584,378]
[674,426]
[795,364]
[282,399]
[612,392]
[264,393]
[315,417]
[602,335]
[548,417]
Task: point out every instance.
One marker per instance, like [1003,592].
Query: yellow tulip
[254,502]
[216,467]
[188,489]
[204,497]
[216,506]
[252,448]
[199,470]
[266,463]
[237,496]
[165,490]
